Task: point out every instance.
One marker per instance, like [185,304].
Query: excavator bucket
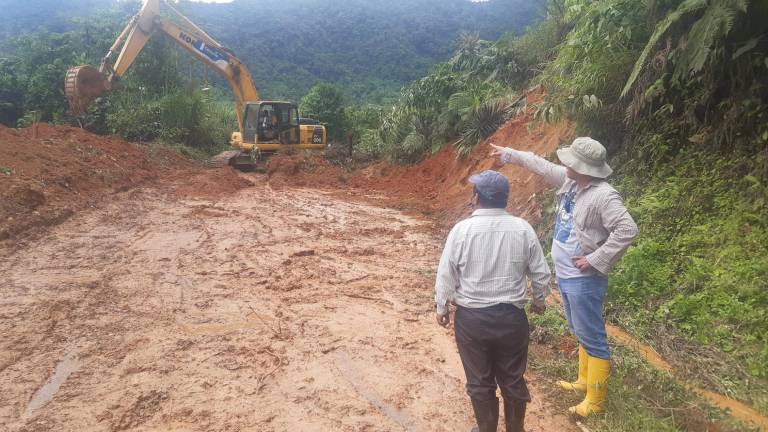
[82,85]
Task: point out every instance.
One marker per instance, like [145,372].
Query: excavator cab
[271,125]
[271,122]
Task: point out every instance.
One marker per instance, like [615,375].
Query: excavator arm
[83,84]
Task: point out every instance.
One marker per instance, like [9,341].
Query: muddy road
[263,310]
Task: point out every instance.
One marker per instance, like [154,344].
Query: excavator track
[222,159]
[240,160]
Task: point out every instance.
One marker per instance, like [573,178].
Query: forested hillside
[29,16]
[369,49]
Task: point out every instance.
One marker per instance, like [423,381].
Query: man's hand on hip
[581,263]
[444,320]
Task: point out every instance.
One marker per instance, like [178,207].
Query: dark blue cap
[492,185]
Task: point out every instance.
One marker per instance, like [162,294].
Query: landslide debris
[48,172]
[437,186]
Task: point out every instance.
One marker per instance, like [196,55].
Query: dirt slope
[47,173]
[437,186]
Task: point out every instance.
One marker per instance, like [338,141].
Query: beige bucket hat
[585,156]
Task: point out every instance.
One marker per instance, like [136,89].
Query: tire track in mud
[222,314]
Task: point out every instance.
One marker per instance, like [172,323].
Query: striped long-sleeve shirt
[486,261]
[603,226]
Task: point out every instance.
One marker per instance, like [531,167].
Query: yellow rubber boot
[581,383]
[597,387]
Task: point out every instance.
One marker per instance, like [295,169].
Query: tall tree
[325,102]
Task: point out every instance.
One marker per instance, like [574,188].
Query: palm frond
[481,124]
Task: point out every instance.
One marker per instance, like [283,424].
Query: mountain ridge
[370,49]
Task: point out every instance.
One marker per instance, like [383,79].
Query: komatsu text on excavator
[264,126]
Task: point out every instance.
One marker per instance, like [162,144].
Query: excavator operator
[268,123]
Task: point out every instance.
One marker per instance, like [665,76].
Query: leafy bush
[699,216]
[325,103]
[364,123]
[185,117]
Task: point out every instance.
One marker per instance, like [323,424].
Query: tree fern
[685,9]
[710,29]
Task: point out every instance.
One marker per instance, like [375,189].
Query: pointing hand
[497,150]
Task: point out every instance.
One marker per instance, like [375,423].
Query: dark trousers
[493,346]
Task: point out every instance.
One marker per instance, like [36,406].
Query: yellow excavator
[264,126]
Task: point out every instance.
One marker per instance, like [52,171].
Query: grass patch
[689,276]
[640,397]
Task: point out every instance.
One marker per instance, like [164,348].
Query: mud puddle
[357,379]
[44,394]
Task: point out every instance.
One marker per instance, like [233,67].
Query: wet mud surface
[264,309]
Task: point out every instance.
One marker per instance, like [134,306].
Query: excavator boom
[264,126]
[83,84]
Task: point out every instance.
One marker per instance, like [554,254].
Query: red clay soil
[48,172]
[205,183]
[438,185]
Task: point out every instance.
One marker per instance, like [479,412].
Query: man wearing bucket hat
[483,270]
[593,229]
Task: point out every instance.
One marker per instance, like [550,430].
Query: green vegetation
[325,102]
[369,49]
[642,398]
[191,117]
[687,133]
[463,100]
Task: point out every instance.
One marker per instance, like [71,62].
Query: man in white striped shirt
[484,269]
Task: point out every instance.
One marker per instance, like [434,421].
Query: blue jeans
[583,302]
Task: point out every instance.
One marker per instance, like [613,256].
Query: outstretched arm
[553,174]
